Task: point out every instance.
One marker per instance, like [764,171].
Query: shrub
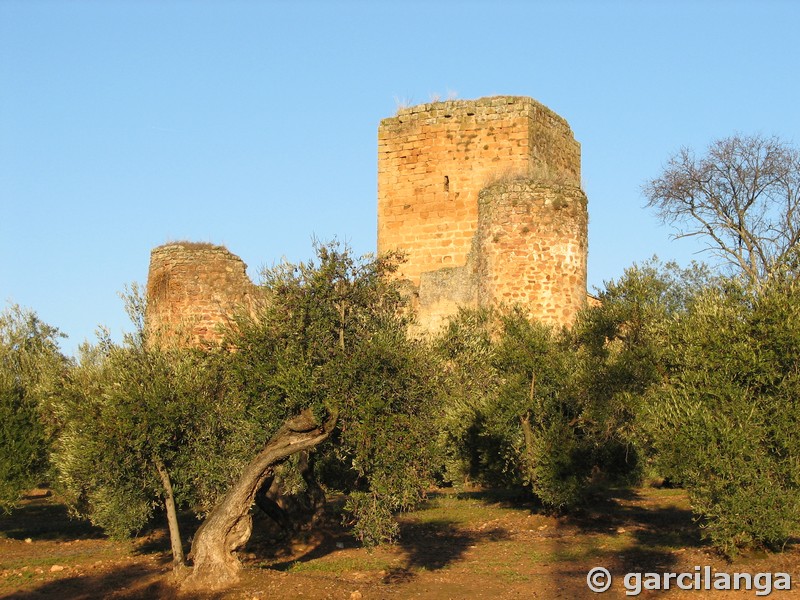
[725,423]
[30,368]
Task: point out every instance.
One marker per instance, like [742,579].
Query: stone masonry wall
[532,241]
[192,290]
[482,195]
[434,159]
[522,241]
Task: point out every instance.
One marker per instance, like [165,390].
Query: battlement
[517,126]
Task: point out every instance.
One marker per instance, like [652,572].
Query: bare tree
[743,197]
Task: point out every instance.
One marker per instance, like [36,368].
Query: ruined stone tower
[194,289]
[484,198]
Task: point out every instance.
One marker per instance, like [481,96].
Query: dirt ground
[459,545]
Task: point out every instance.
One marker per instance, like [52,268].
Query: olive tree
[508,413]
[127,411]
[621,347]
[138,428]
[724,422]
[742,197]
[537,403]
[465,351]
[30,367]
[327,358]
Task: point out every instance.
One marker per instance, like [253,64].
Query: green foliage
[332,338]
[620,347]
[525,404]
[124,411]
[374,519]
[535,400]
[30,367]
[558,462]
[675,370]
[129,417]
[508,406]
[725,423]
[465,350]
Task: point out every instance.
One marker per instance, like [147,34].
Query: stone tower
[193,290]
[484,198]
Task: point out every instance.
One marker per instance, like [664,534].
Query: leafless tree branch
[743,196]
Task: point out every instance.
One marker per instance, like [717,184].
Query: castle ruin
[193,289]
[483,197]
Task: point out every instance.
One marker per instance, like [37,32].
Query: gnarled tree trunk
[292,511]
[228,526]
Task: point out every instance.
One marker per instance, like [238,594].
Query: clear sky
[125,125]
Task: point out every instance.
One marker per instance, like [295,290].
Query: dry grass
[193,245]
[540,174]
[498,544]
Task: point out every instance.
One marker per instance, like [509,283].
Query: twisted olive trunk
[228,526]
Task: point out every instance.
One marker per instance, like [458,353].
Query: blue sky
[125,125]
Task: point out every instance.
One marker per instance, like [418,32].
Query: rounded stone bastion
[531,247]
[193,291]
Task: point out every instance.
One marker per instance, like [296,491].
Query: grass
[193,245]
[539,174]
[343,564]
[34,562]
[63,553]
[665,492]
[458,509]
[18,579]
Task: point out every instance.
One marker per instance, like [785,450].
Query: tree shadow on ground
[619,528]
[514,497]
[270,543]
[618,531]
[436,544]
[427,546]
[657,531]
[35,519]
[132,582]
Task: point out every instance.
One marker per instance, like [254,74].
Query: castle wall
[434,159]
[533,248]
[193,290]
[521,240]
[483,196]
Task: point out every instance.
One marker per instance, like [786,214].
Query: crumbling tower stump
[193,291]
